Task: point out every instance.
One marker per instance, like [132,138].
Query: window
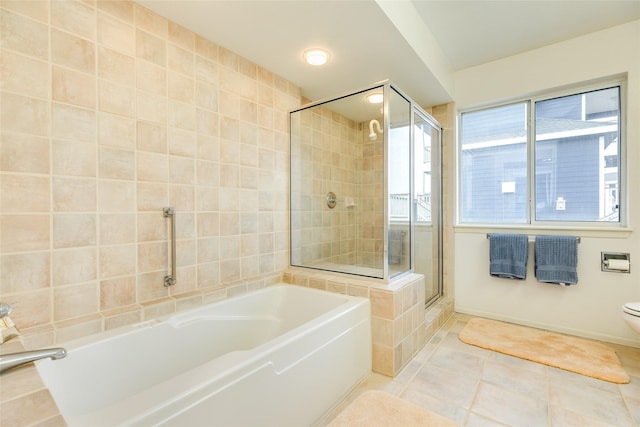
[553,159]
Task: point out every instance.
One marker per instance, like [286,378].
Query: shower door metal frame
[387,86]
[436,154]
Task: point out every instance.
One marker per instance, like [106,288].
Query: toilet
[631,314]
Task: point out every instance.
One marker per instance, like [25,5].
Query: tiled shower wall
[334,154]
[109,113]
[370,242]
[324,159]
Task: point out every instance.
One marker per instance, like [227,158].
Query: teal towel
[508,255]
[556,259]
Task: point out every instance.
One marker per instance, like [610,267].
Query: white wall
[592,307]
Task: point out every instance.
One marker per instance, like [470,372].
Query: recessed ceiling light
[316,56]
[375,98]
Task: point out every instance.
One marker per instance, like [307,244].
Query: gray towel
[396,240]
[508,255]
[557,259]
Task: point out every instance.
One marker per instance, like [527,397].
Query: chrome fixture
[5,309]
[8,330]
[14,360]
[332,200]
[171,278]
[372,133]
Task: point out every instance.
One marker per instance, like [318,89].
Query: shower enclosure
[365,187]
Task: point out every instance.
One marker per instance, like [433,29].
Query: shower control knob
[331,200]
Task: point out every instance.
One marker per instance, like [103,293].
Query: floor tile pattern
[477,387]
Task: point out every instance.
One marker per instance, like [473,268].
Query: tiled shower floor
[478,387]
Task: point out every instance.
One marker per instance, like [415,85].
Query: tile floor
[478,387]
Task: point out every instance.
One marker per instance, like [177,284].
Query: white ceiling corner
[399,40]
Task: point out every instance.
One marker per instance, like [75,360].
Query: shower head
[372,133]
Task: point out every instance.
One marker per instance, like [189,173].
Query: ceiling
[417,44]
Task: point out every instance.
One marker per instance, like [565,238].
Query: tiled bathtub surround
[110,112]
[24,399]
[399,325]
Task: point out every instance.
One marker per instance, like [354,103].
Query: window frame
[530,105]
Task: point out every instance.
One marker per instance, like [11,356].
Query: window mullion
[531,170]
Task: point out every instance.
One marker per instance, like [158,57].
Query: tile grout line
[475,395]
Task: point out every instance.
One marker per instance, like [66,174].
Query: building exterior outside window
[552,159]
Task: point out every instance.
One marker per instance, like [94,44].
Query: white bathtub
[280,356]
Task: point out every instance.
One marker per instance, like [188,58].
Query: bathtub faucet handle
[5,309]
[8,330]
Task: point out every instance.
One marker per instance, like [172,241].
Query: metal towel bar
[532,238]
[171,278]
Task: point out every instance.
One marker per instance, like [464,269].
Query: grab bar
[171,278]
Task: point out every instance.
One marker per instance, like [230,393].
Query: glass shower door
[426,204]
[399,184]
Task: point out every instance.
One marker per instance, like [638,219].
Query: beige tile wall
[108,113]
[331,153]
[324,159]
[370,244]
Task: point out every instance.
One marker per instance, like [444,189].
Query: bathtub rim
[159,398]
[81,342]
